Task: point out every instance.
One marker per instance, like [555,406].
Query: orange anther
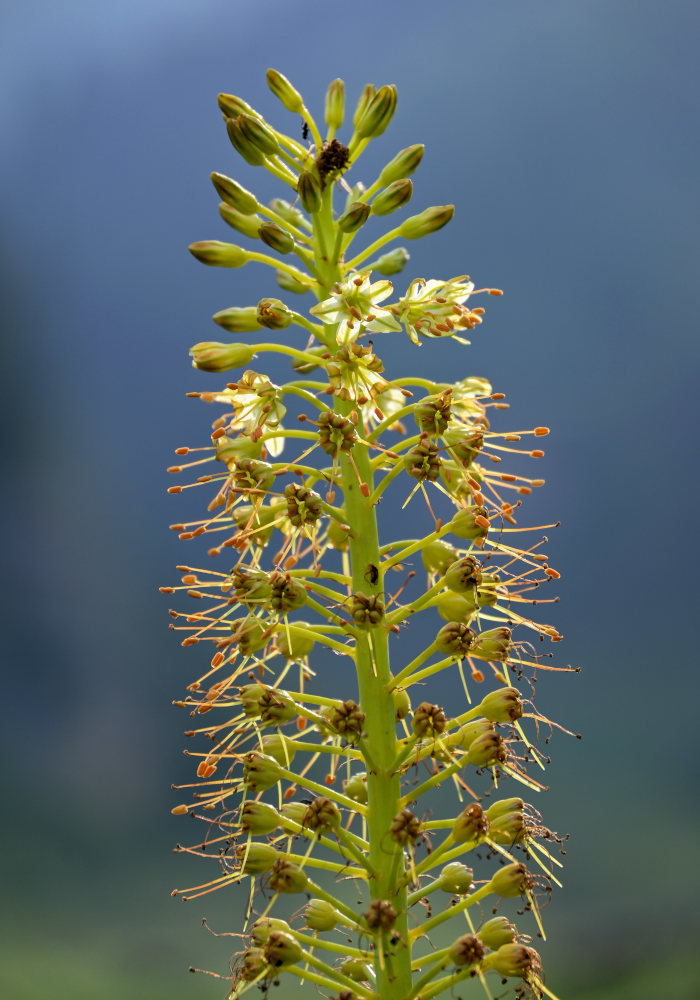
[218,433]
[179,811]
[174,468]
[477,676]
[537,453]
[204,708]
[289,794]
[301,723]
[167,590]
[512,437]
[498,395]
[174,489]
[182,451]
[329,779]
[189,578]
[525,490]
[541,431]
[482,521]
[194,593]
[552,573]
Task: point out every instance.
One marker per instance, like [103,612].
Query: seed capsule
[456,878]
[357,970]
[455,639]
[293,811]
[405,827]
[463,575]
[464,446]
[487,750]
[356,787]
[278,747]
[507,820]
[347,720]
[466,950]
[320,915]
[512,880]
[423,462]
[497,932]
[493,644]
[259,818]
[259,858]
[471,826]
[502,705]
[380,915]
[287,594]
[402,703]
[249,633]
[263,927]
[438,556]
[471,730]
[260,771]
[276,707]
[287,877]
[338,535]
[295,642]
[428,720]
[433,413]
[252,474]
[251,587]
[253,964]
[366,612]
[468,523]
[335,433]
[281,949]
[514,960]
[322,815]
[304,506]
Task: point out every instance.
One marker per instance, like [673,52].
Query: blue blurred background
[566,133]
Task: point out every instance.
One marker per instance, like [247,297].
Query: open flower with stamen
[436,308]
[354,307]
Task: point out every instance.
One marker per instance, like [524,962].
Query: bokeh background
[566,132]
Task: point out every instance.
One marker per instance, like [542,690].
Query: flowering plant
[307,771]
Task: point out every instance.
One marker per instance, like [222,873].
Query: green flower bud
[403,164]
[502,705]
[426,222]
[309,191]
[238,320]
[273,314]
[402,703]
[274,236]
[428,720]
[322,815]
[363,103]
[471,826]
[466,950]
[356,787]
[423,462]
[335,433]
[494,644]
[287,877]
[320,915]
[257,133]
[356,193]
[464,575]
[487,750]
[455,639]
[438,556]
[233,106]
[354,217]
[392,197]
[263,927]
[242,144]
[259,858]
[278,747]
[290,284]
[276,707]
[347,720]
[335,104]
[380,915]
[378,113]
[212,356]
[295,642]
[233,194]
[260,772]
[289,213]
[282,949]
[514,960]
[471,730]
[497,932]
[357,970]
[470,523]
[282,88]
[253,964]
[392,262]
[367,612]
[304,506]
[338,535]
[294,812]
[288,594]
[456,878]
[405,828]
[259,818]
[218,254]
[249,633]
[252,474]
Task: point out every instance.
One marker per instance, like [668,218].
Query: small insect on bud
[276,237]
[466,950]
[471,826]
[322,815]
[455,639]
[260,772]
[335,104]
[282,949]
[438,556]
[392,197]
[287,877]
[354,216]
[295,642]
[256,858]
[320,915]
[380,915]
[212,356]
[428,720]
[338,535]
[512,880]
[278,747]
[356,787]
[487,750]
[357,970]
[514,960]
[273,314]
[405,827]
[259,818]
[363,103]
[287,594]
[423,462]
[433,413]
[249,633]
[218,254]
[464,575]
[347,720]
[257,133]
[426,222]
[507,819]
[263,927]
[335,433]
[456,878]
[392,262]
[253,964]
[497,932]
[238,320]
[240,142]
[403,164]
[471,523]
[502,705]
[309,191]
[366,612]
[234,194]
[282,89]
[402,703]
[303,505]
[378,113]
[494,644]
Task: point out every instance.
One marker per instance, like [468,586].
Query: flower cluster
[315,757]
